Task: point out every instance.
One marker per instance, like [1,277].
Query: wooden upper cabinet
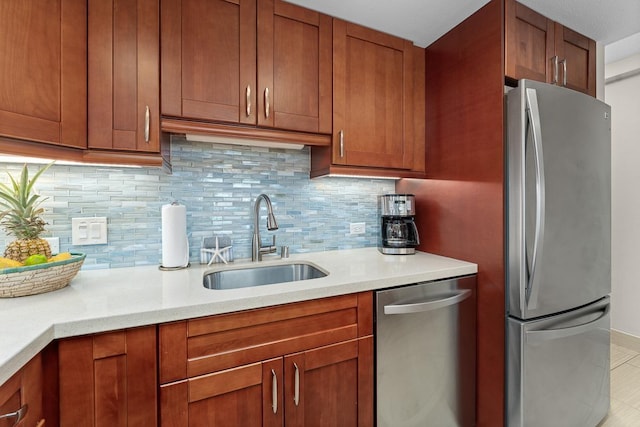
[265,63]
[294,67]
[208,59]
[43,55]
[538,48]
[578,71]
[124,75]
[529,43]
[372,98]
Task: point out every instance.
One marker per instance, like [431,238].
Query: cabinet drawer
[209,344]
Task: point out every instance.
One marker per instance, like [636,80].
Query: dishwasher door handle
[420,307]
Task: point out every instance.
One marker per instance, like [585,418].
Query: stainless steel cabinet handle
[18,415]
[533,337]
[533,113]
[274,391]
[296,385]
[248,92]
[420,307]
[266,102]
[341,143]
[147,120]
[564,71]
[555,69]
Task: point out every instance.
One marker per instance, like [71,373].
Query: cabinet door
[124,75]
[22,393]
[330,386]
[108,379]
[250,395]
[577,55]
[529,44]
[372,98]
[43,53]
[209,59]
[294,67]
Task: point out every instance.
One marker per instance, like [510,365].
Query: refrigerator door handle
[534,120]
[534,337]
[420,307]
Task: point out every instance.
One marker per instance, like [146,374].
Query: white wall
[624,98]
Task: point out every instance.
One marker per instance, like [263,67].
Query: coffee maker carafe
[398,231]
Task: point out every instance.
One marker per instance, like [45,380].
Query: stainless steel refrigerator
[558,256]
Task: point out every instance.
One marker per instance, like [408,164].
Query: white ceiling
[424,21]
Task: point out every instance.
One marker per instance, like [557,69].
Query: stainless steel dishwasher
[426,354]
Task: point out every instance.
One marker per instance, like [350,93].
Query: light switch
[89,231]
[95,231]
[82,230]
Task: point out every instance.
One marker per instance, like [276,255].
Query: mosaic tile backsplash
[218,185]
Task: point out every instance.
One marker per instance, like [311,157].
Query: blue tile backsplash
[218,185]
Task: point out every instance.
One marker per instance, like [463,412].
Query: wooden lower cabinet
[332,385]
[327,386]
[21,396]
[303,364]
[233,397]
[109,379]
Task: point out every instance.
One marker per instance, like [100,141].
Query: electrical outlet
[54,244]
[356,228]
[89,231]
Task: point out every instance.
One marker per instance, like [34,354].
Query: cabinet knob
[18,415]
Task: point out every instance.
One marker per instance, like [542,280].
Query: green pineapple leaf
[21,208]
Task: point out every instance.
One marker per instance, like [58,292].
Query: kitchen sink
[261,275]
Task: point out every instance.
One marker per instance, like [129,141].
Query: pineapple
[20,215]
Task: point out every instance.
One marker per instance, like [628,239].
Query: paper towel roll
[175,245]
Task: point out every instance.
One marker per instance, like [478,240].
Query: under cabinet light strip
[247,142]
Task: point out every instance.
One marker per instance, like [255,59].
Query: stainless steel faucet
[256,246]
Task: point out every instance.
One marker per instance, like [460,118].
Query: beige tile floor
[625,387]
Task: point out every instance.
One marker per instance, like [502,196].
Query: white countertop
[110,299]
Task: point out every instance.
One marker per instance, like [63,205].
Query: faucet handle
[273,243]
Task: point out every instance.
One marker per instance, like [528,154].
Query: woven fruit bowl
[39,278]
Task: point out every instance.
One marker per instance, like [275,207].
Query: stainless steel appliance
[398,231]
[558,256]
[426,354]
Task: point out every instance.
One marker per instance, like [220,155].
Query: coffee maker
[398,231]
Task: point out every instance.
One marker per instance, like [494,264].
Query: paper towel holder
[180,267]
